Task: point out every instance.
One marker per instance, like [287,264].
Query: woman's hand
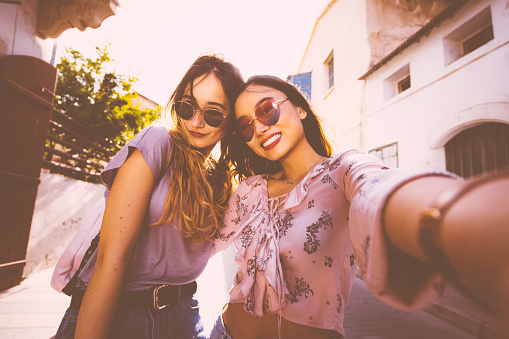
[473,235]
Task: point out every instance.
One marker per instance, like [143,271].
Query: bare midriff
[242,325]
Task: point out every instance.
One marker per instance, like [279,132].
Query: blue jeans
[219,331]
[173,322]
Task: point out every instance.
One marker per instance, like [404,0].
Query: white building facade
[424,86]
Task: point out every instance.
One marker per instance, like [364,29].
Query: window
[468,37]
[398,82]
[388,154]
[478,39]
[329,71]
[404,84]
[330,66]
[477,150]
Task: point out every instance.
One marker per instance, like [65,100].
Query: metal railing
[73,150]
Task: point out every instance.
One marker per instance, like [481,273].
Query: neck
[298,164]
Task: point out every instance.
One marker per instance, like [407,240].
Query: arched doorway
[480,149]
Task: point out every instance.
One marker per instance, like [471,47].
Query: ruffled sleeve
[154,142]
[368,184]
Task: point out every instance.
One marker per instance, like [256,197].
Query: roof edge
[332,2]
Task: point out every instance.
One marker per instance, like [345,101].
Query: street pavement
[34,310]
[367,317]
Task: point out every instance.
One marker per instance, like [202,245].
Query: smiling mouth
[271,140]
[196,134]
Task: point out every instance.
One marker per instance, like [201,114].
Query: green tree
[89,92]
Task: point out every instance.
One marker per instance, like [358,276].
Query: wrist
[462,235]
[431,220]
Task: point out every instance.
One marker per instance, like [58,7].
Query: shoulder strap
[71,285]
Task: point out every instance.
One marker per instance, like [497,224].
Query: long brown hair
[244,160]
[199,187]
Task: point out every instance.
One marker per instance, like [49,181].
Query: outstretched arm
[473,235]
[123,218]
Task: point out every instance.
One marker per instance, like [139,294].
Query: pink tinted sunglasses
[267,113]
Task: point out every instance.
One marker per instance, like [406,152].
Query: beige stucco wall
[60,205]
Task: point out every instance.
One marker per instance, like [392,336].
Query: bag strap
[71,285]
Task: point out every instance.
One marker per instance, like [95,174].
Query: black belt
[157,297]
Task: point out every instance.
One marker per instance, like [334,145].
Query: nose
[259,127]
[198,119]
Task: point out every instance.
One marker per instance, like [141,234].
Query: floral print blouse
[298,253]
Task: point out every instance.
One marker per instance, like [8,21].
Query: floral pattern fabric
[298,253]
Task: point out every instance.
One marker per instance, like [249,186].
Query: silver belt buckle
[156,298]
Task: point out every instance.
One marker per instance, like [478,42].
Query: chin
[272,156]
[205,149]
[202,145]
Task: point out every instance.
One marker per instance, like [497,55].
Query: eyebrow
[261,101]
[211,103]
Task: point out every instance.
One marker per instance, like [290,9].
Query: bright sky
[157,40]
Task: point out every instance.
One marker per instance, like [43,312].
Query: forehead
[206,87]
[249,99]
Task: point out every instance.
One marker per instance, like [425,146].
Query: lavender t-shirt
[161,255]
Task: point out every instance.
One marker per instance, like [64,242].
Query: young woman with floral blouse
[303,220]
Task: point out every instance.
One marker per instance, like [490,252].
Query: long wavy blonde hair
[199,186]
